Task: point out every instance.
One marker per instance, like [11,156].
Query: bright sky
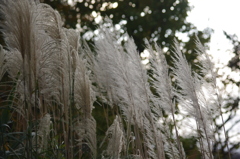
[217,14]
[220,15]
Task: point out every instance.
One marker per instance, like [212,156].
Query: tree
[231,105]
[153,20]
[234,63]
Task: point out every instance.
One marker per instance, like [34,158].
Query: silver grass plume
[116,140]
[72,38]
[120,73]
[90,57]
[152,137]
[31,52]
[107,66]
[64,79]
[140,88]
[50,21]
[207,70]
[77,94]
[116,73]
[171,144]
[207,66]
[19,34]
[116,80]
[51,24]
[209,78]
[86,131]
[38,59]
[43,133]
[112,74]
[161,81]
[193,100]
[84,97]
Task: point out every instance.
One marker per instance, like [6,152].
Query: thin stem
[224,130]
[176,131]
[200,140]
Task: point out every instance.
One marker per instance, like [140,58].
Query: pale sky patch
[220,15]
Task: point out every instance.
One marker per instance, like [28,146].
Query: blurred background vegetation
[155,20]
[158,21]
